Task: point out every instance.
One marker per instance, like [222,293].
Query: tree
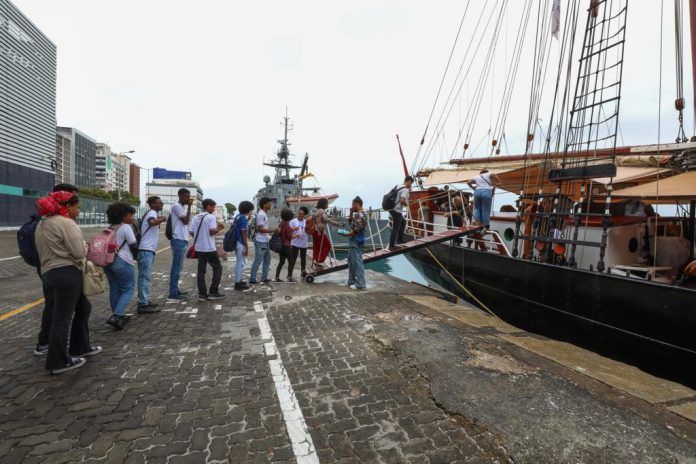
[230,209]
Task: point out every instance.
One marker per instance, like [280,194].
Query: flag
[556,18]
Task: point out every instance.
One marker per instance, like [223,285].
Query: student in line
[204,227]
[149,238]
[299,242]
[242,251]
[121,273]
[180,219]
[484,188]
[286,250]
[262,253]
[356,245]
[397,214]
[47,313]
[321,243]
[62,252]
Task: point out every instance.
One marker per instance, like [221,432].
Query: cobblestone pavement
[376,377]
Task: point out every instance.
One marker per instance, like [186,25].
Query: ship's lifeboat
[310,201]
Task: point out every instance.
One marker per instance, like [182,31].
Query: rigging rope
[679,60]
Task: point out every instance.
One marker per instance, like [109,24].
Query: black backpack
[168,230]
[229,242]
[389,200]
[26,242]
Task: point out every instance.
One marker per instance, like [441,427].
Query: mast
[692,23]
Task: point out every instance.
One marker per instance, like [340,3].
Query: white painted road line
[11,257]
[301,440]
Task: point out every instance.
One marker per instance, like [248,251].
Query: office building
[83,157]
[134,184]
[167,190]
[121,164]
[27,114]
[62,161]
[103,166]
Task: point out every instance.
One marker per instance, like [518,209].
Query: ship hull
[595,310]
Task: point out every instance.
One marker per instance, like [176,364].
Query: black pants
[398,227]
[205,258]
[47,314]
[285,255]
[64,288]
[456,221]
[303,259]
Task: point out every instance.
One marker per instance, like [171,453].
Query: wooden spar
[401,152]
[692,24]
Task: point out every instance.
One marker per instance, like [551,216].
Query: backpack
[168,229]
[276,242]
[389,200]
[102,247]
[229,242]
[26,242]
[138,229]
[191,252]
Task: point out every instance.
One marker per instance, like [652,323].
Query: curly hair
[246,207]
[116,212]
[286,215]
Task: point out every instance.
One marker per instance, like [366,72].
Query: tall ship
[592,240]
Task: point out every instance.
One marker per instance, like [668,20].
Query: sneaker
[278,280]
[178,297]
[215,296]
[182,293]
[148,309]
[93,350]
[291,280]
[127,317]
[41,350]
[74,363]
[241,287]
[117,322]
[253,282]
[266,282]
[202,297]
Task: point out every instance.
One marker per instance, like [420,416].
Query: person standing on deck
[180,219]
[484,188]
[397,213]
[262,252]
[356,244]
[299,241]
[204,227]
[149,238]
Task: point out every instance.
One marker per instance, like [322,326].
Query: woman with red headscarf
[62,251]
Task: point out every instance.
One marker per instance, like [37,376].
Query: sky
[203,86]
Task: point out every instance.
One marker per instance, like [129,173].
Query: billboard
[161,173]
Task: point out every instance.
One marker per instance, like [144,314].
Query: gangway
[416,244]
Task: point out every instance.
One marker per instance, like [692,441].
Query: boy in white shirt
[149,238]
[203,228]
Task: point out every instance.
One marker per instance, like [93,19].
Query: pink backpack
[102,248]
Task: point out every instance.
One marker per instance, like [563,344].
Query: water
[396,266]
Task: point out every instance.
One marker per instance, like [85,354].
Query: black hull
[626,318]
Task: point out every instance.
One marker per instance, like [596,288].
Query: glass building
[27,114]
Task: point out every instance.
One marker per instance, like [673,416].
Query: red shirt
[286,233]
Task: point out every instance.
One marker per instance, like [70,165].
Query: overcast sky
[202,86]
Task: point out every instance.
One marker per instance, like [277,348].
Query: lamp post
[118,185]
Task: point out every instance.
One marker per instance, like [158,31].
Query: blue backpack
[229,243]
[26,243]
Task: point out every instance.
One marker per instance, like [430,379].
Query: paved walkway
[305,373]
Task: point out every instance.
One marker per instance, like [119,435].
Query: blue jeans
[356,268]
[482,206]
[145,260]
[263,254]
[241,262]
[121,277]
[178,254]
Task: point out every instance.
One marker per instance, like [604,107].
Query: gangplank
[415,244]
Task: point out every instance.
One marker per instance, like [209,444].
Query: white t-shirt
[261,220]
[179,230]
[203,241]
[148,233]
[483,181]
[125,233]
[301,241]
[401,194]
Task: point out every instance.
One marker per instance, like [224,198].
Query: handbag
[191,252]
[93,279]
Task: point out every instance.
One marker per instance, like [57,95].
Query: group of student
[62,252]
